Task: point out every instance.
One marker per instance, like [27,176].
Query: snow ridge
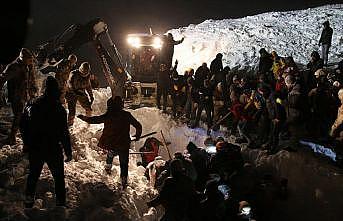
[292,33]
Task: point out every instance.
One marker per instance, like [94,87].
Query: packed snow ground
[91,192]
[292,33]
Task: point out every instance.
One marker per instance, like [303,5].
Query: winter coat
[200,75]
[116,132]
[163,79]
[21,81]
[315,65]
[265,64]
[275,110]
[326,36]
[78,83]
[151,145]
[226,161]
[178,86]
[199,159]
[206,95]
[168,49]
[216,66]
[44,127]
[63,71]
[295,104]
[178,197]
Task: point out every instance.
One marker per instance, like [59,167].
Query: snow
[292,33]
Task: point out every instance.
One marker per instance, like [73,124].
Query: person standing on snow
[168,51]
[44,130]
[21,86]
[62,74]
[216,67]
[163,84]
[116,134]
[325,41]
[78,83]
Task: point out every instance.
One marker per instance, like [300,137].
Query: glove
[69,158]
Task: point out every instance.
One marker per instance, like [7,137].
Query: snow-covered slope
[293,33]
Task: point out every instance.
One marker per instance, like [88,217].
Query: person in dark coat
[115,137]
[266,62]
[202,73]
[21,86]
[216,66]
[226,160]
[168,49]
[315,64]
[325,41]
[321,103]
[45,132]
[163,84]
[277,117]
[177,91]
[199,159]
[295,111]
[190,102]
[177,196]
[205,102]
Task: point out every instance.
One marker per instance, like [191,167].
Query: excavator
[124,81]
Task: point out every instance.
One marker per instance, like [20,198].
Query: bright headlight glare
[134,41]
[157,43]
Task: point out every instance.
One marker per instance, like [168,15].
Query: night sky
[124,16]
[50,18]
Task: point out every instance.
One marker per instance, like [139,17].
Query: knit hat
[25,54]
[84,69]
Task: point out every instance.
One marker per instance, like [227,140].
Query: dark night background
[124,16]
[50,18]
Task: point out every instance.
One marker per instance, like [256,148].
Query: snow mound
[292,33]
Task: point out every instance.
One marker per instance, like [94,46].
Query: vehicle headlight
[134,41]
[157,43]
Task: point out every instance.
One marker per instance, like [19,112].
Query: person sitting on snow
[151,146]
[116,134]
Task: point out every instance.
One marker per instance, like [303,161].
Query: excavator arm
[74,37]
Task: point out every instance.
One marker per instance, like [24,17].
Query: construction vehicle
[126,82]
[143,59]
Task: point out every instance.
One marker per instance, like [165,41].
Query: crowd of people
[279,102]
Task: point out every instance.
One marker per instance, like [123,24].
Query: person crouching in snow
[79,82]
[115,137]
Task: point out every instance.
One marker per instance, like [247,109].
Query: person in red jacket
[115,137]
